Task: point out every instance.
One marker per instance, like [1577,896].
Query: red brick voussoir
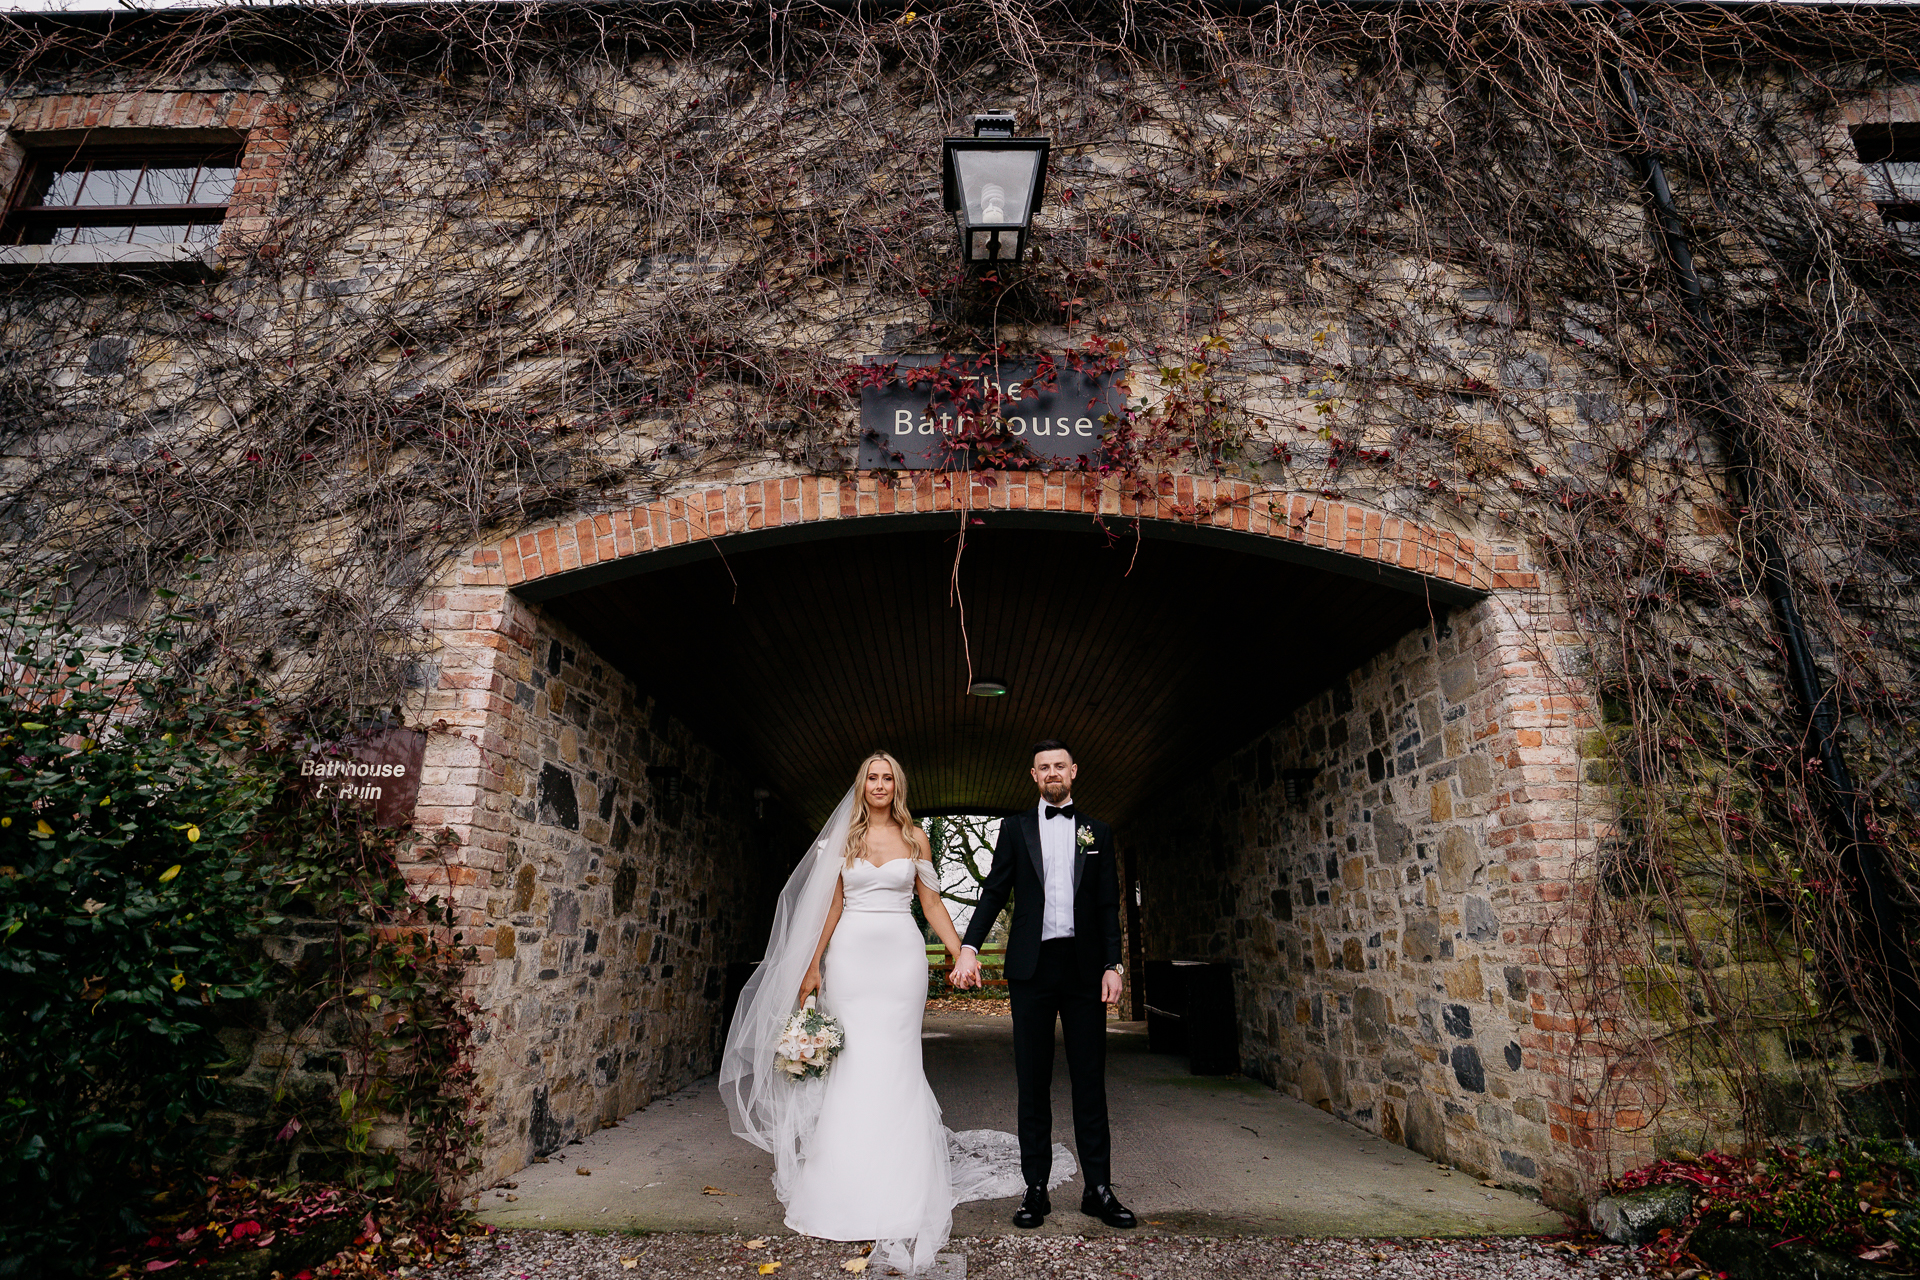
[1341,527]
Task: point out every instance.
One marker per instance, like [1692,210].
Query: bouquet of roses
[808,1043]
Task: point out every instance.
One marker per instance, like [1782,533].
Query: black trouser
[1060,988]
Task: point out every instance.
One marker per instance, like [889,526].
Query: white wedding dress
[877,1166]
[859,1152]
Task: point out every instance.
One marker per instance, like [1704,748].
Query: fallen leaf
[511,1198]
[768,1268]
[629,1263]
[715,1191]
[854,1264]
[1489,1183]
[583,1171]
[756,1244]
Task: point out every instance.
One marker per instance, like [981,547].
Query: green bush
[1854,1196]
[128,909]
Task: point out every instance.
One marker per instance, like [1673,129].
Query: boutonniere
[1085,836]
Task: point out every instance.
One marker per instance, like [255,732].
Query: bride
[859,1153]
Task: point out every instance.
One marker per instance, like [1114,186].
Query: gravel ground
[980,1006]
[554,1255]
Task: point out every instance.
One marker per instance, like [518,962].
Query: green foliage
[1852,1196]
[150,833]
[127,908]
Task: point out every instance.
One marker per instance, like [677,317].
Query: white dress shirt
[1056,854]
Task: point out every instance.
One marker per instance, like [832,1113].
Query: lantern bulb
[993,203]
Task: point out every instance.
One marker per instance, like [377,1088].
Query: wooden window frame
[1879,143]
[29,222]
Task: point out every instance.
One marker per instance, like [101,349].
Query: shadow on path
[1207,1155]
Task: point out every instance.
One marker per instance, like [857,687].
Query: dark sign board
[379,770]
[952,413]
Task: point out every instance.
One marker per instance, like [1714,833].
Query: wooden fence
[993,960]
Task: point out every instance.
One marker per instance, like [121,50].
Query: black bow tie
[1064,811]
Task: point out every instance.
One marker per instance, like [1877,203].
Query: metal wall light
[1296,784]
[993,182]
[666,780]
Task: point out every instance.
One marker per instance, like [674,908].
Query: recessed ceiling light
[987,689]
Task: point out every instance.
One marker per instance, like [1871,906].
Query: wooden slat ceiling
[1153,666]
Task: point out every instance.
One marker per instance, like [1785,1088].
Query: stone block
[1425,1133]
[1459,860]
[1372,1015]
[1420,942]
[1467,1069]
[1458,680]
[1637,1217]
[1464,981]
[1482,925]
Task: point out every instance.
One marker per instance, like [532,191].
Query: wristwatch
[1114,968]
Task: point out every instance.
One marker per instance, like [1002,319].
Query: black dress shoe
[1099,1202]
[1034,1209]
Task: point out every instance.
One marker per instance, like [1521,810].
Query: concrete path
[1199,1154]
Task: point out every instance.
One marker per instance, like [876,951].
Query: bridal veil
[767,1107]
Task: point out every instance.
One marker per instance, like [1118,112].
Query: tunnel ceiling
[1153,659]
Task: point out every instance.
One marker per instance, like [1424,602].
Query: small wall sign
[379,770]
[954,413]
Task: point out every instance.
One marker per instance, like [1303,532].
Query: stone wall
[616,909]
[1391,930]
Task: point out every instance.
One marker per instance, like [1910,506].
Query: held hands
[965,972]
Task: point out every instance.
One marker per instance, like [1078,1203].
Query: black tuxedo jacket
[1019,869]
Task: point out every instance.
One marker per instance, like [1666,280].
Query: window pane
[98,235]
[215,185]
[167,186]
[65,186]
[162,233]
[109,185]
[1903,179]
[997,186]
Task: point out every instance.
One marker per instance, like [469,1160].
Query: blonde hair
[909,830]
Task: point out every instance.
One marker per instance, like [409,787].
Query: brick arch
[1337,534]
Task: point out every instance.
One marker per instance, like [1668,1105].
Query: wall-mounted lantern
[993,182]
[1296,784]
[666,781]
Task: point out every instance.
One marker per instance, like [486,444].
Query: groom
[1063,961]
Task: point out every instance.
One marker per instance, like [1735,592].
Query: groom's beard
[1055,792]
